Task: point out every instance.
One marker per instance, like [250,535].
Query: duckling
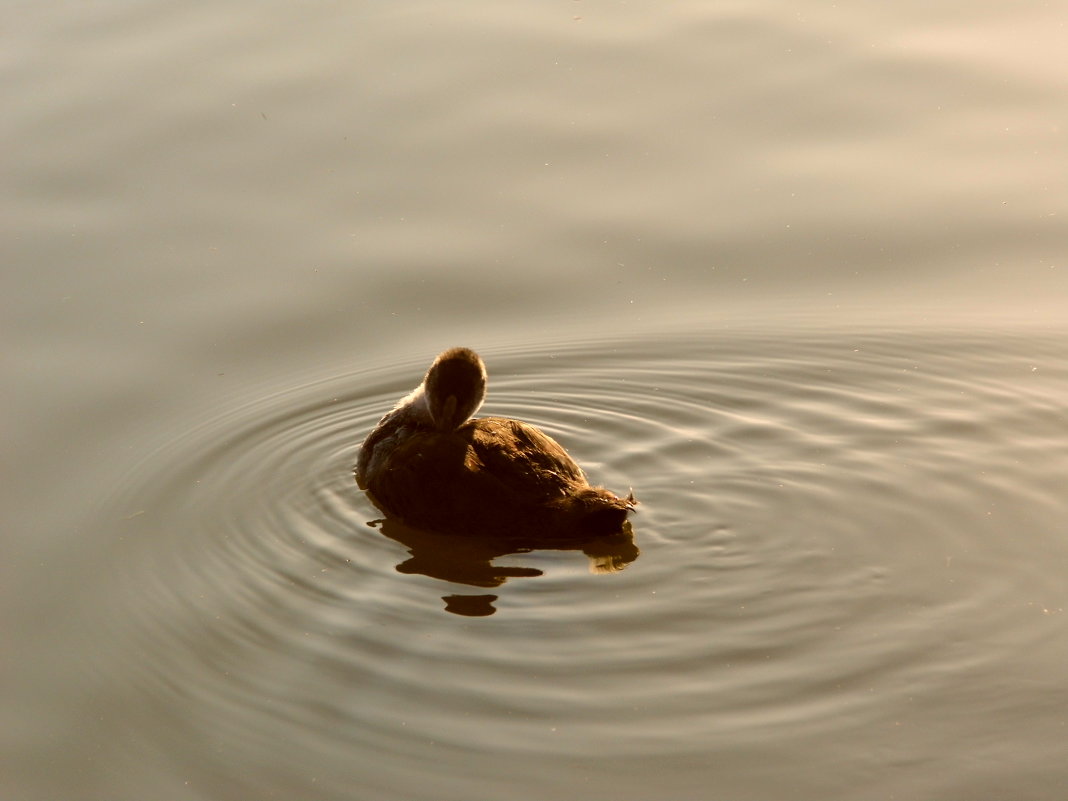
[429,464]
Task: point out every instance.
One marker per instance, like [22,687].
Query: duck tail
[599,511]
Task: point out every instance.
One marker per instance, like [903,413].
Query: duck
[430,463]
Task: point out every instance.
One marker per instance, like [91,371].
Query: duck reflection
[470,559]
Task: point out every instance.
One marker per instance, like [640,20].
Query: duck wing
[524,460]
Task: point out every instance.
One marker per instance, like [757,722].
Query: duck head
[454,388]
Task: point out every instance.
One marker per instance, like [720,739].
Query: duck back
[493,475]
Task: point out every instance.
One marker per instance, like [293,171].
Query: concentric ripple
[837,533]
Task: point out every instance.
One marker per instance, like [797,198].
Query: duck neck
[413,409]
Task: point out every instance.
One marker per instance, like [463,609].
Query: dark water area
[793,274]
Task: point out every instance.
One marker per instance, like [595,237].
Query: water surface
[793,273]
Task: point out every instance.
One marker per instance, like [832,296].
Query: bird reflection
[470,559]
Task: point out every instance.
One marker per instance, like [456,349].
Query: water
[793,274]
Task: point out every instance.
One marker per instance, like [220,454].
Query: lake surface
[795,274]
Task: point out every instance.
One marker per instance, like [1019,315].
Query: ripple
[828,526]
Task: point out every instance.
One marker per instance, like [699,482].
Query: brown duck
[432,466]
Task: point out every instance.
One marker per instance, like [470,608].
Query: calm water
[793,273]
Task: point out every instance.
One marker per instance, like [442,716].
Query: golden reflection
[469,559]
